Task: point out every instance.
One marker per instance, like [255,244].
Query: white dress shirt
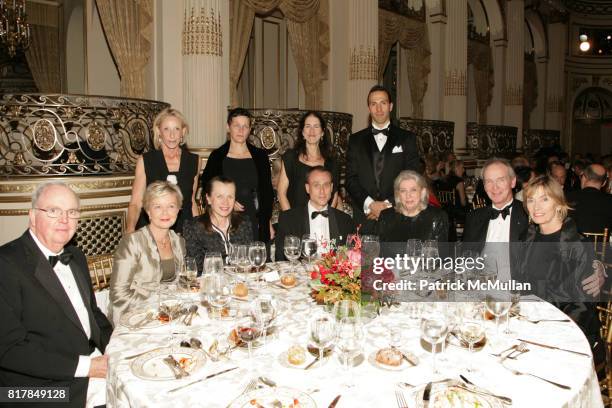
[319,227]
[381,140]
[97,386]
[498,255]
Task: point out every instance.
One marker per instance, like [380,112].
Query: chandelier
[14,30]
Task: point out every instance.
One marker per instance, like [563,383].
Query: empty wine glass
[309,246]
[434,330]
[292,248]
[213,262]
[346,308]
[472,331]
[218,290]
[349,340]
[257,254]
[515,298]
[322,333]
[498,304]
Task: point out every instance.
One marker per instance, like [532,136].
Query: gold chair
[605,317]
[446,197]
[100,269]
[478,202]
[600,242]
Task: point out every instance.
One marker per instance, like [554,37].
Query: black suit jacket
[41,337]
[295,222]
[360,175]
[592,209]
[265,192]
[477,225]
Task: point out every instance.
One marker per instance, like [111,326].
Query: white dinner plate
[151,366]
[268,397]
[448,395]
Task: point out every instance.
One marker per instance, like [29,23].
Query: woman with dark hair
[311,149]
[249,167]
[219,226]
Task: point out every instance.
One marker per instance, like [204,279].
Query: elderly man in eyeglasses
[52,334]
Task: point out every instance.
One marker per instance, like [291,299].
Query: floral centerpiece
[338,274]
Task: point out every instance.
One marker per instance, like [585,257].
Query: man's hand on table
[98,367]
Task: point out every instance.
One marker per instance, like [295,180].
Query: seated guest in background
[591,207]
[375,156]
[412,218]
[523,175]
[554,260]
[219,226]
[453,181]
[52,331]
[574,175]
[151,255]
[558,172]
[169,161]
[311,149]
[317,217]
[519,161]
[249,167]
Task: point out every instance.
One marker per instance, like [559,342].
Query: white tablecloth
[374,387]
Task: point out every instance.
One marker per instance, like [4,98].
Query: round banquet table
[373,386]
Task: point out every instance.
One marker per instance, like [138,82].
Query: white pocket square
[397,149]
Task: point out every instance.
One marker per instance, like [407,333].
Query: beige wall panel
[102,74]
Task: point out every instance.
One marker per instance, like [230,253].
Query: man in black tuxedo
[317,218]
[504,224]
[376,155]
[52,332]
[591,208]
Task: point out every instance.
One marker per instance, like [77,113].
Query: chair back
[605,317]
[600,243]
[446,197]
[478,202]
[100,269]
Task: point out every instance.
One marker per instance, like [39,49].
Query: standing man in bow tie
[496,229]
[376,155]
[52,332]
[317,217]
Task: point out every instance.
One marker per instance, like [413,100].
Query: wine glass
[322,333]
[292,248]
[309,246]
[349,340]
[218,290]
[241,255]
[515,298]
[188,274]
[351,240]
[472,331]
[213,262]
[263,310]
[257,254]
[248,331]
[434,330]
[414,248]
[346,308]
[430,251]
[231,255]
[498,304]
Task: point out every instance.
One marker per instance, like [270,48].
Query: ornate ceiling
[599,7]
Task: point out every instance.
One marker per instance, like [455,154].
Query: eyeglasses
[73,214]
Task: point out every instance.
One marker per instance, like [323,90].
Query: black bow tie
[64,257]
[504,213]
[384,131]
[324,213]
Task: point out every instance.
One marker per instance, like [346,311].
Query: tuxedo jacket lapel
[305,222]
[334,232]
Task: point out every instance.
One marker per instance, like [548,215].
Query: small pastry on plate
[241,290]
[296,355]
[288,280]
[389,356]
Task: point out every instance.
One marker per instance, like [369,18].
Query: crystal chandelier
[14,30]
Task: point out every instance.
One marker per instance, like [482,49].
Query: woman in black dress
[249,167]
[412,218]
[219,226]
[311,149]
[170,161]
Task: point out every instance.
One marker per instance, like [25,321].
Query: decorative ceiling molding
[601,7]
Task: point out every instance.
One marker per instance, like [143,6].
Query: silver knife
[426,393]
[555,347]
[202,379]
[335,401]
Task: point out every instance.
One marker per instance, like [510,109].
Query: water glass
[349,340]
[322,333]
[241,256]
[434,330]
[218,290]
[515,298]
[292,248]
[309,246]
[472,331]
[257,254]
[498,304]
[213,262]
[346,308]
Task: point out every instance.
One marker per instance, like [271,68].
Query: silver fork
[520,348]
[516,372]
[401,401]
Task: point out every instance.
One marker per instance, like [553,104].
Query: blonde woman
[412,218]
[170,161]
[151,255]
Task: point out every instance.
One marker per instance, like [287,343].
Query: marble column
[539,112]
[205,89]
[455,69]
[363,57]
[515,67]
[495,112]
[556,83]
[434,96]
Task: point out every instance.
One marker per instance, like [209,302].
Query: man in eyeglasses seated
[316,218]
[52,334]
[591,207]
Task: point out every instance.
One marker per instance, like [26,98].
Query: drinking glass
[292,248]
[351,240]
[257,254]
[218,290]
[349,340]
[322,333]
[498,304]
[213,262]
[515,298]
[248,331]
[430,250]
[370,248]
[346,308]
[241,254]
[472,331]
[188,274]
[263,310]
[231,255]
[309,246]
[434,330]
[414,248]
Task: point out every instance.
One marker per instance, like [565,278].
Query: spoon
[193,310]
[196,343]
[267,381]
